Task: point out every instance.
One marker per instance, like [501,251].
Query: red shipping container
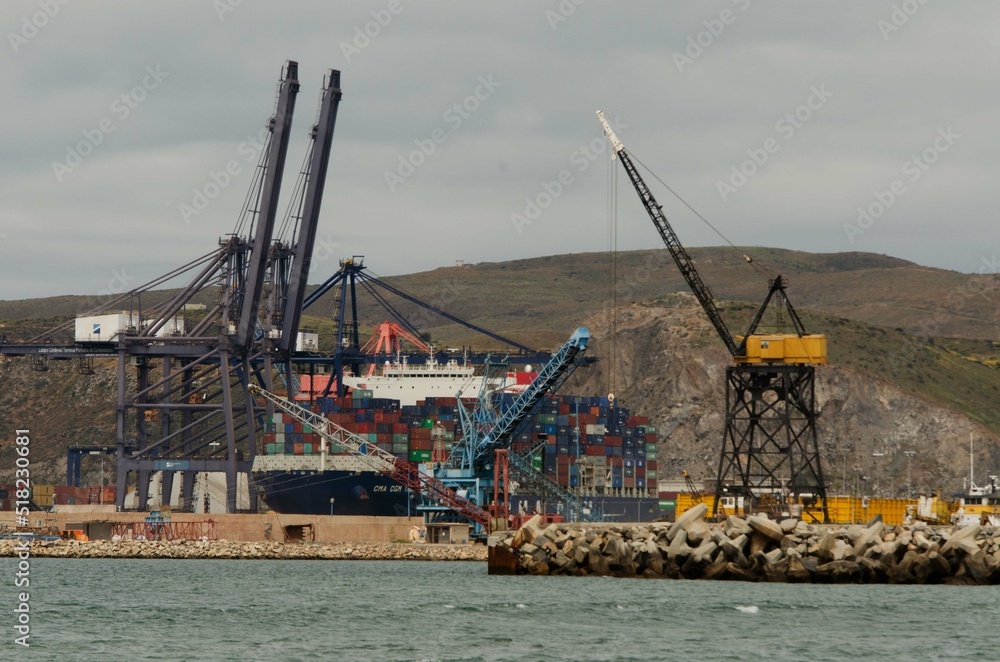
[563,410]
[612,440]
[651,464]
[650,438]
[595,450]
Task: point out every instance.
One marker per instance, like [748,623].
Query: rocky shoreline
[227,549]
[759,549]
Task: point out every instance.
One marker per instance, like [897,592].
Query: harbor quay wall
[97,521]
[754,549]
[229,549]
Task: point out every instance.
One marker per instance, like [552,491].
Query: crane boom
[378,460]
[555,372]
[684,262]
[280,125]
[322,134]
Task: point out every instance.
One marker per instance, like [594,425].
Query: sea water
[134,609]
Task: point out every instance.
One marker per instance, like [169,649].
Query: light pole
[909,477]
[878,455]
[843,484]
[331,506]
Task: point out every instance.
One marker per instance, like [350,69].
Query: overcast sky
[778,121]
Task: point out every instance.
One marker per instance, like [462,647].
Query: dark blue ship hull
[333,492]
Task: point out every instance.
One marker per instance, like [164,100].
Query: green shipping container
[420,456]
[269,449]
[650,450]
[307,448]
[306,428]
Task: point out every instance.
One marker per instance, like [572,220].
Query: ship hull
[332,492]
[366,493]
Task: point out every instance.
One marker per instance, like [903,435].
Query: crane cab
[785,348]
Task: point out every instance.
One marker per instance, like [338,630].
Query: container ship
[592,445]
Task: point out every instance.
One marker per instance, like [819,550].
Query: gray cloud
[119,208]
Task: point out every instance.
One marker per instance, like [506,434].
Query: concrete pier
[97,521]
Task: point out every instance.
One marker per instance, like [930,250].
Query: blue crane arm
[559,367]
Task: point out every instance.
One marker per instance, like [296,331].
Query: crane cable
[612,267]
[749,260]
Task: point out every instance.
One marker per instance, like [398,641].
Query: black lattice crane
[770,452]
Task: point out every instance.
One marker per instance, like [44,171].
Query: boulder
[715,570]
[868,537]
[788,525]
[758,543]
[689,516]
[777,571]
[797,571]
[970,532]
[697,531]
[742,574]
[736,527]
[840,571]
[678,549]
[766,527]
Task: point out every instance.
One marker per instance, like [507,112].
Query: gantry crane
[770,450]
[187,408]
[489,433]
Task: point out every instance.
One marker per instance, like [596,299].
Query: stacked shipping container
[585,442]
[46,496]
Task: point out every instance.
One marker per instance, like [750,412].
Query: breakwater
[758,549]
[227,549]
